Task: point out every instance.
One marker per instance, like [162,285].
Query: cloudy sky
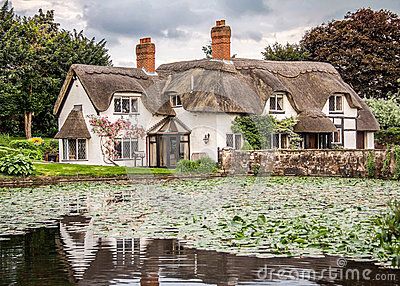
[181,27]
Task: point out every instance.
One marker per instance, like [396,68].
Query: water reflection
[72,255]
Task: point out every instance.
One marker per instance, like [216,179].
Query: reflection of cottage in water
[99,261]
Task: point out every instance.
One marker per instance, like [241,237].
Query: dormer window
[276,103]
[126,105]
[176,101]
[336,103]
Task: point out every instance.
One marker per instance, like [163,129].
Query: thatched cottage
[187,108]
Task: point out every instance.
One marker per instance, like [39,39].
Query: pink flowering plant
[109,132]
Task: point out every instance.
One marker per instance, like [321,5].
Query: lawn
[57,169]
[271,216]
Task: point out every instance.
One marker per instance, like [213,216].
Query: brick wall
[344,163]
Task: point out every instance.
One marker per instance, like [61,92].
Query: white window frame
[65,146]
[278,95]
[340,132]
[131,100]
[235,147]
[174,100]
[131,140]
[279,140]
[335,105]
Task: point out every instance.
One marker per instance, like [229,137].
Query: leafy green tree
[387,112]
[35,55]
[207,50]
[364,47]
[288,52]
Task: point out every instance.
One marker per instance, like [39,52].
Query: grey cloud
[141,18]
[249,35]
[241,7]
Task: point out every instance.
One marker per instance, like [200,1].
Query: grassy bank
[57,169]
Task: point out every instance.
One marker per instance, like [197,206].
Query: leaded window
[74,149]
[126,148]
[336,103]
[234,141]
[126,105]
[276,102]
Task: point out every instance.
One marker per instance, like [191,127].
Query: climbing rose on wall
[109,132]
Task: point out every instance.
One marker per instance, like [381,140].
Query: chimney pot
[145,55]
[221,41]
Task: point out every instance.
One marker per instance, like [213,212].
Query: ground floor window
[279,141]
[126,148]
[317,140]
[234,140]
[74,149]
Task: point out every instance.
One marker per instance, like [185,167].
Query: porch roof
[74,126]
[169,125]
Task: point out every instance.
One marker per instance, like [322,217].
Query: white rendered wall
[370,142]
[77,96]
[287,107]
[200,124]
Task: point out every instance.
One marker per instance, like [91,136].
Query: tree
[207,50]
[288,52]
[35,55]
[364,47]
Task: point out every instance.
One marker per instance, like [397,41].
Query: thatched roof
[251,82]
[314,121]
[102,82]
[240,86]
[74,126]
[214,91]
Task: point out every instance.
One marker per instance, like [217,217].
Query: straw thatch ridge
[314,121]
[74,126]
[102,82]
[308,86]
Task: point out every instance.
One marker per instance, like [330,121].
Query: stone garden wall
[344,163]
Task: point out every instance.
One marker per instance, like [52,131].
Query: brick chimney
[146,55]
[221,41]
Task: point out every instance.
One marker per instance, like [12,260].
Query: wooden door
[360,140]
[312,142]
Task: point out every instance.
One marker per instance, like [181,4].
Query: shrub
[389,136]
[186,166]
[388,231]
[16,165]
[204,165]
[371,167]
[51,147]
[386,163]
[23,144]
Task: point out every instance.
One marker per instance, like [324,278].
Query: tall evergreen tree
[35,55]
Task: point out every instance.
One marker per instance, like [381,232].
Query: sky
[180,28]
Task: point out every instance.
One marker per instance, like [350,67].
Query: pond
[69,255]
[235,225]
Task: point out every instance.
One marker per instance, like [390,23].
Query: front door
[173,147]
[360,140]
[168,151]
